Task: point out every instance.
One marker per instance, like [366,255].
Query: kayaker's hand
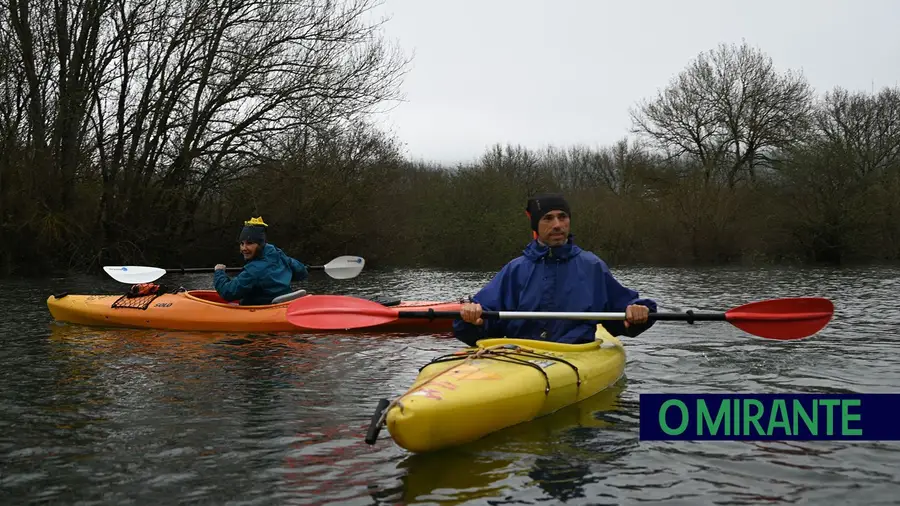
[471,313]
[636,314]
[220,267]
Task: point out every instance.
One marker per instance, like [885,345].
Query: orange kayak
[204,310]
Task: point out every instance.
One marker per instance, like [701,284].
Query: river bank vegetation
[146,132]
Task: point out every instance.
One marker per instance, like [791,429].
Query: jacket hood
[535,250]
[266,252]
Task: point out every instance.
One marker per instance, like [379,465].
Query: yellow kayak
[501,382]
[464,474]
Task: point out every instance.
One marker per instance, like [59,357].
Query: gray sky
[566,72]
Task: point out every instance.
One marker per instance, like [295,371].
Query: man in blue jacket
[553,274]
[268,271]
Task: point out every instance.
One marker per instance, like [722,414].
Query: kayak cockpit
[214,297]
[208,296]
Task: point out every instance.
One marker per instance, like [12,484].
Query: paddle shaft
[190,270]
[538,315]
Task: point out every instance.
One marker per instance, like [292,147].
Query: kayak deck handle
[377,422]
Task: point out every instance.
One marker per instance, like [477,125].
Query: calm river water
[97,416]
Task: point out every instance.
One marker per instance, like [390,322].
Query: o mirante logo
[863,417]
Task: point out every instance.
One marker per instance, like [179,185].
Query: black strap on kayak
[506,355]
[534,354]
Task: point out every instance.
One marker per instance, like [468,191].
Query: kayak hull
[204,310]
[467,397]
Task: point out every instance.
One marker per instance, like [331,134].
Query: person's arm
[298,270]
[491,298]
[619,298]
[235,288]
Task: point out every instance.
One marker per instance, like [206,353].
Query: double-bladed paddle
[342,267]
[782,319]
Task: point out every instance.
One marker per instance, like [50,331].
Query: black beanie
[543,203]
[254,231]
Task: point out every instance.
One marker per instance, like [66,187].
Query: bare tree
[56,45]
[202,91]
[840,184]
[862,131]
[164,102]
[519,165]
[728,110]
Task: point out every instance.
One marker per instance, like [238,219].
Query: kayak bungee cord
[499,352]
[504,356]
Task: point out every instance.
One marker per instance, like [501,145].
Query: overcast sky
[566,72]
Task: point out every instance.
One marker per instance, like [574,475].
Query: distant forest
[146,131]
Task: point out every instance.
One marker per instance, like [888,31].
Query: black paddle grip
[430,314]
[688,316]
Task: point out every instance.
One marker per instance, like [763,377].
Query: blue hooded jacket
[562,278]
[265,277]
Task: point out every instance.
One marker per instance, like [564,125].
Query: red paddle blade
[337,312]
[785,319]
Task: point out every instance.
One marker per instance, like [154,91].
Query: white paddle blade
[345,267]
[134,274]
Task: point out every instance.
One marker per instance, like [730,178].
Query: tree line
[146,131]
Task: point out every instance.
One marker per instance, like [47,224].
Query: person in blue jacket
[553,274]
[268,271]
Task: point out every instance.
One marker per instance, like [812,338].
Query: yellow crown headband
[255,221]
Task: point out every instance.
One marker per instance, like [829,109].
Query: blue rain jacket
[563,278]
[265,277]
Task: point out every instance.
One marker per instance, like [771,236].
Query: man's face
[553,228]
[249,249]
